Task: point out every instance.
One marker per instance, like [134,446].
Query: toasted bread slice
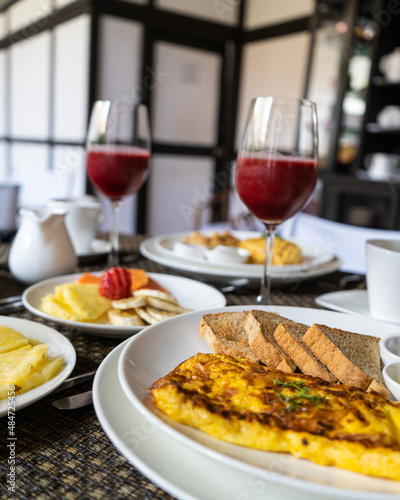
[225,334]
[353,358]
[260,327]
[289,338]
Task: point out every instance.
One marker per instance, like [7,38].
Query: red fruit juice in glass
[274,189]
[117,171]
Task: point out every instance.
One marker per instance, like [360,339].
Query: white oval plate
[212,272]
[57,346]
[143,361]
[190,294]
[174,467]
[314,255]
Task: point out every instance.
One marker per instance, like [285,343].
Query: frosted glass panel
[69,166]
[30,87]
[221,11]
[2,92]
[3,29]
[71,79]
[263,73]
[324,83]
[173,206]
[27,12]
[261,13]
[3,172]
[186,95]
[120,60]
[30,169]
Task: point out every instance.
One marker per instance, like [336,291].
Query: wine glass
[277,163]
[117,159]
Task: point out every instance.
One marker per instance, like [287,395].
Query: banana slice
[129,303]
[124,318]
[140,311]
[166,306]
[147,292]
[158,314]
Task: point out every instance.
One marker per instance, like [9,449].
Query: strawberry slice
[115,283]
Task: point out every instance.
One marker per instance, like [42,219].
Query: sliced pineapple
[76,302]
[25,367]
[11,339]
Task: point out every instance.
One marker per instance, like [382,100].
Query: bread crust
[260,327]
[224,333]
[298,352]
[337,362]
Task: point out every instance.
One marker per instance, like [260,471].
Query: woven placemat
[67,454]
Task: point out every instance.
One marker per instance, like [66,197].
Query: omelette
[259,407]
[284,252]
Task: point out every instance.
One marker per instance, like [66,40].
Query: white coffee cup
[383,278]
[389,117]
[382,166]
[82,220]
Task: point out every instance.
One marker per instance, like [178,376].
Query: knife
[71,382]
[73,402]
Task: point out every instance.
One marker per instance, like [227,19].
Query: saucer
[97,247]
[348,301]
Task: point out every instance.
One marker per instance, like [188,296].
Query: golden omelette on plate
[251,405]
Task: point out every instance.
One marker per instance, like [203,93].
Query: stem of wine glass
[264,296]
[113,258]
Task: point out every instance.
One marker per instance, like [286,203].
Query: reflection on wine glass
[277,162]
[118,152]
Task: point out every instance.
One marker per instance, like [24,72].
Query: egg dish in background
[284,252]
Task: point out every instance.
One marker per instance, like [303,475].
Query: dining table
[67,453]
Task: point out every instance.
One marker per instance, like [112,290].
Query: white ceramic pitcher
[42,247]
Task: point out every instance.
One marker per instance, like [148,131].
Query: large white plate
[57,346]
[313,255]
[252,274]
[143,361]
[174,467]
[190,294]
[347,301]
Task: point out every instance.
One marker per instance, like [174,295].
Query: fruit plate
[191,294]
[57,346]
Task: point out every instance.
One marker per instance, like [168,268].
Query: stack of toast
[320,351]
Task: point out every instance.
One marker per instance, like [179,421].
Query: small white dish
[391,374]
[190,294]
[57,346]
[223,255]
[187,250]
[390,348]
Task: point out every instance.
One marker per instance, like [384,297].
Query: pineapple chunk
[45,371]
[11,339]
[76,302]
[54,307]
[24,366]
